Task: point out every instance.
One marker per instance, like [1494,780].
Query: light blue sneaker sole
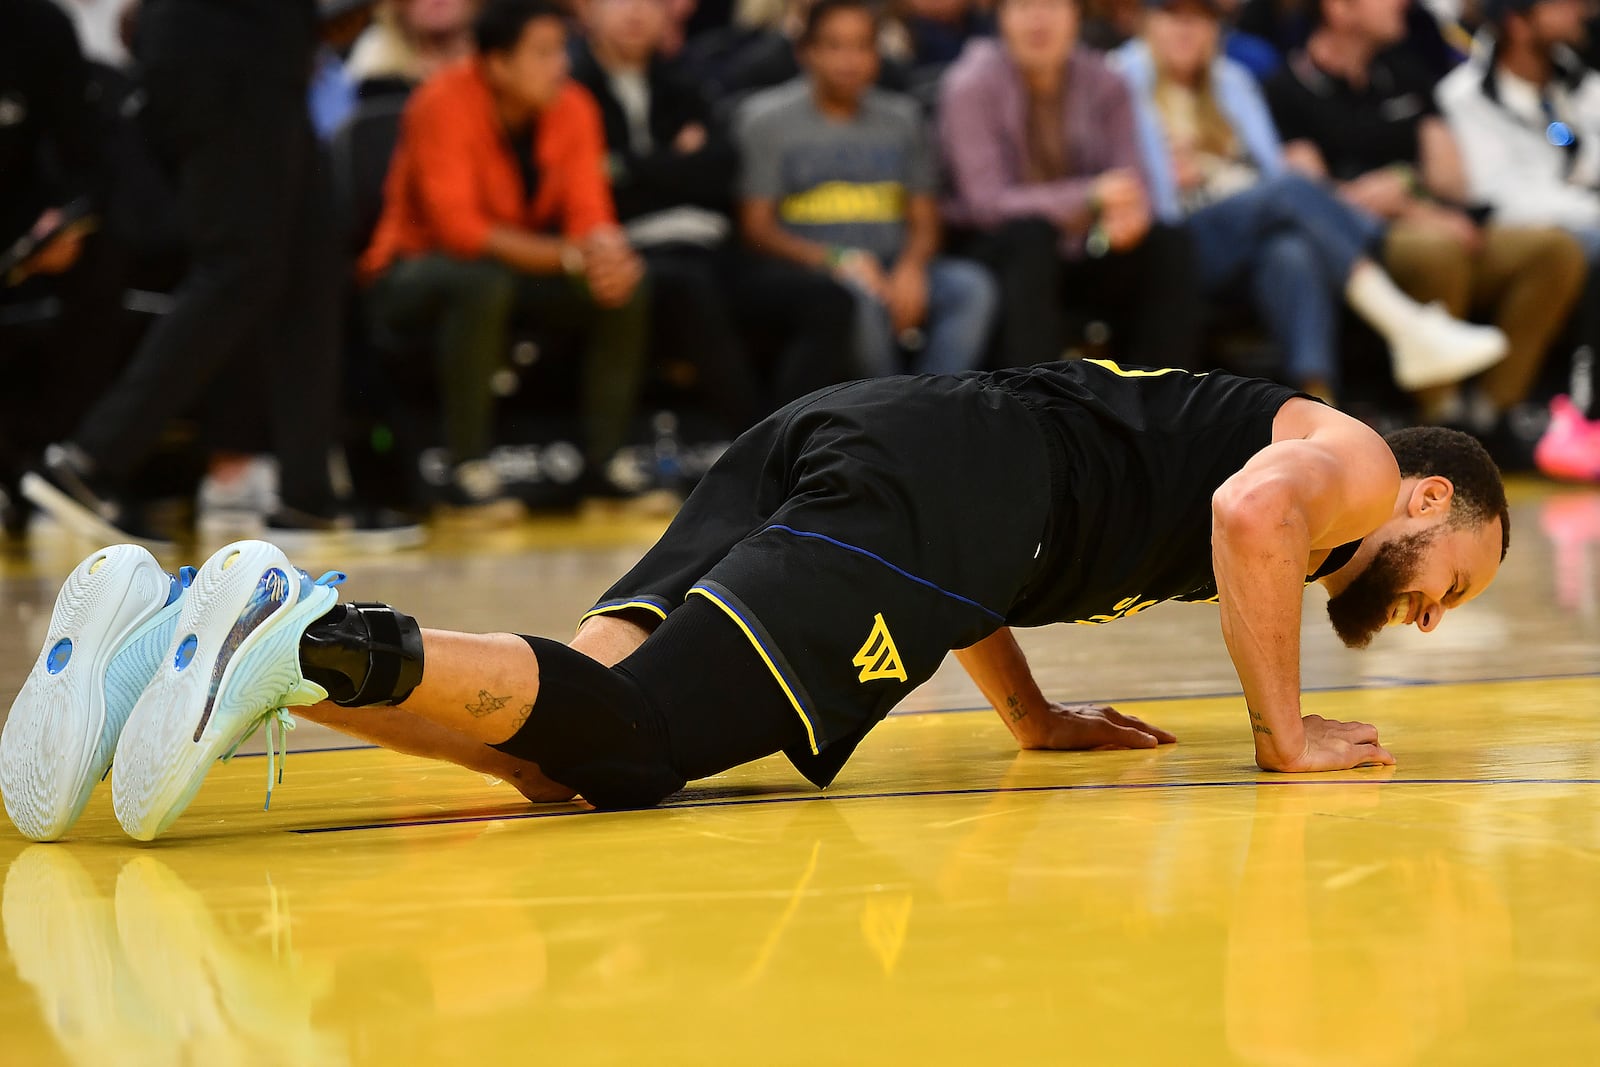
[234,662]
[113,620]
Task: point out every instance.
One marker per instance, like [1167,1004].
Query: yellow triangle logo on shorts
[878,658]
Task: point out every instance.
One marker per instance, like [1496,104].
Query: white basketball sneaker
[112,623]
[234,665]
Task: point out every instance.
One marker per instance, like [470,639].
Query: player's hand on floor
[1332,745]
[1083,726]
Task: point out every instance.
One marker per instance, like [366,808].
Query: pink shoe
[1570,448]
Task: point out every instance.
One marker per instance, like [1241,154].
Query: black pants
[468,308]
[1148,294]
[264,278]
[52,375]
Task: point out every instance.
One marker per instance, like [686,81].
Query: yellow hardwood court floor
[948,900]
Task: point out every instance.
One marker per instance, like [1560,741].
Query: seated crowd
[726,206]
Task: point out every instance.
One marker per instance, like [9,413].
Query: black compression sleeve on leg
[692,701]
[593,730]
[721,704]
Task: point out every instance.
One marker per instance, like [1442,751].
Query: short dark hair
[1424,451]
[499,25]
[818,13]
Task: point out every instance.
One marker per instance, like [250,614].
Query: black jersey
[1141,451]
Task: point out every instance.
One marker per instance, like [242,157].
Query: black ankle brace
[363,654]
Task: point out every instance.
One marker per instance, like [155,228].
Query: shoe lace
[279,722]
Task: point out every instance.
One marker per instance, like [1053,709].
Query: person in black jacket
[254,328]
[672,170]
[54,181]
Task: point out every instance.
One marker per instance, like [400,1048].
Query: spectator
[333,94]
[408,41]
[52,163]
[840,176]
[226,105]
[1284,25]
[1044,155]
[673,170]
[1214,164]
[1365,118]
[760,55]
[400,45]
[1526,111]
[497,207]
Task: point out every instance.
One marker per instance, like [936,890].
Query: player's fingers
[1130,736]
[1374,754]
[1163,736]
[1359,733]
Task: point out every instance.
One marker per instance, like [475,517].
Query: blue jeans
[1293,244]
[962,298]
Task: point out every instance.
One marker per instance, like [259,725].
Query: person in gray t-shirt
[840,176]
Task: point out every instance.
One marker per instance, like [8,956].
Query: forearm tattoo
[1014,709]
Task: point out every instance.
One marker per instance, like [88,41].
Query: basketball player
[819,573]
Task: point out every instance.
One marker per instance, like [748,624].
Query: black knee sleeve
[363,654]
[595,731]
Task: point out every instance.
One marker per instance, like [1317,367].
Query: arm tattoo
[1257,723]
[487,704]
[1014,709]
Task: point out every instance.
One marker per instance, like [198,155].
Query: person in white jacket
[1526,112]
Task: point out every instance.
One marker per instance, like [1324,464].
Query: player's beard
[1363,607]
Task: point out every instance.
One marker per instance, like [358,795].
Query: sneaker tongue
[180,582]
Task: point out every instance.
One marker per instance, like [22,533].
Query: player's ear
[1431,496]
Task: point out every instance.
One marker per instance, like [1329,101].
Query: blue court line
[1383,683]
[1086,787]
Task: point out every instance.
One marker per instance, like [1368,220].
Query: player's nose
[1431,615]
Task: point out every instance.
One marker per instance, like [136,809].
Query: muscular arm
[1302,493]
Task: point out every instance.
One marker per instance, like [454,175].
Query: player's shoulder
[1356,450]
